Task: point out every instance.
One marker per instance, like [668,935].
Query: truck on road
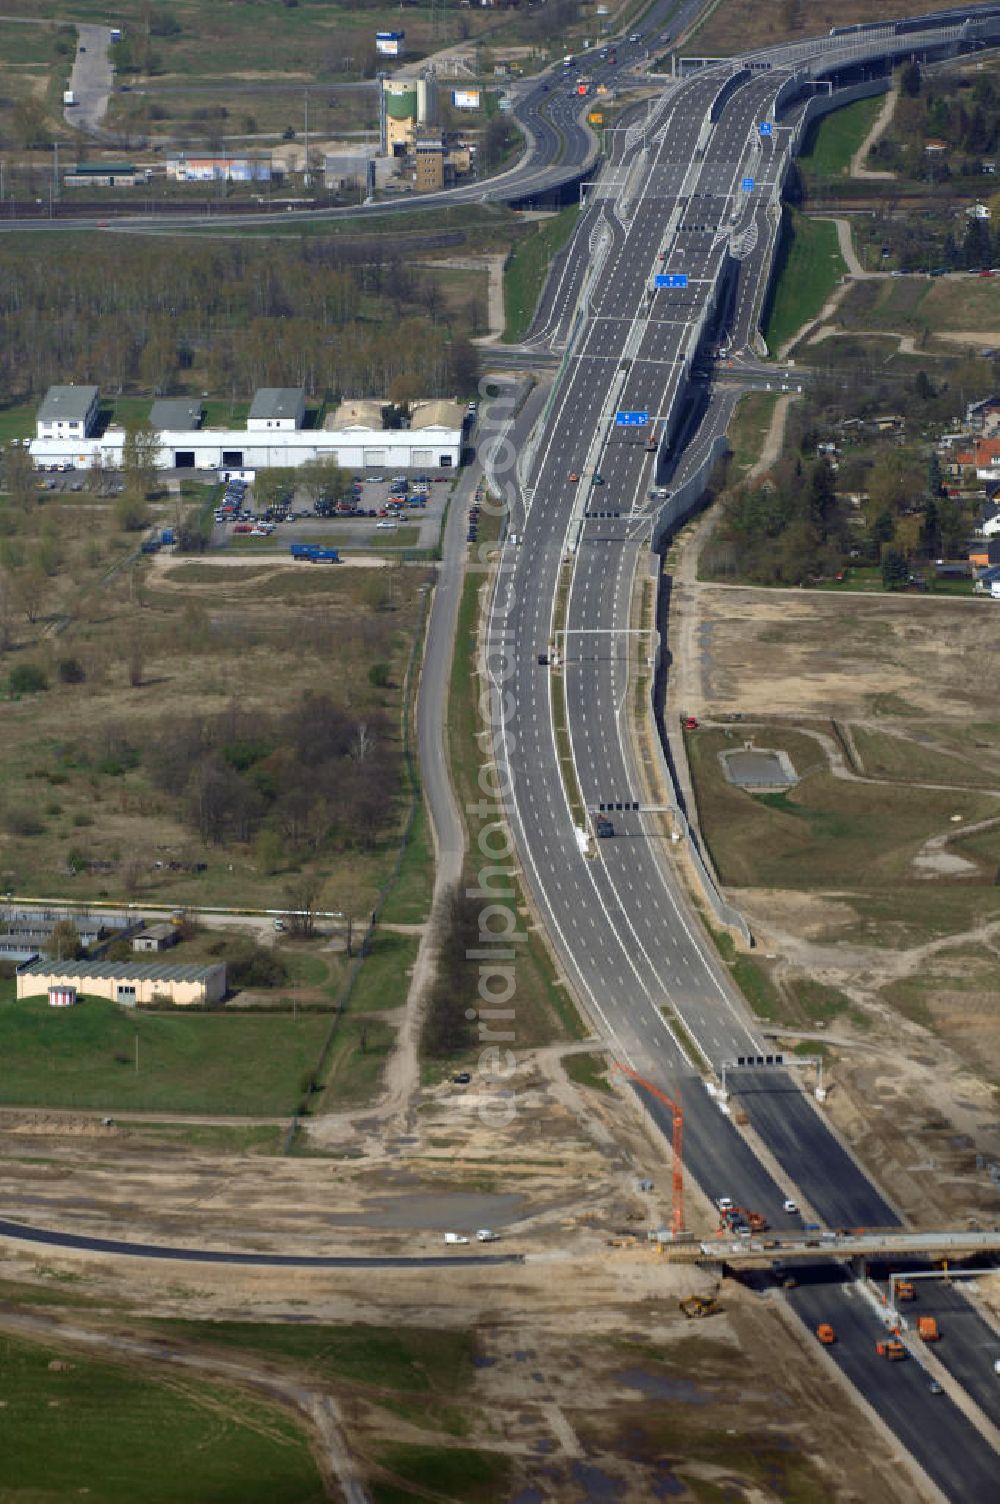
[892,1350]
[928,1329]
[314,554]
[69,98]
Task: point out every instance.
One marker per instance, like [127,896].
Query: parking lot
[416,522]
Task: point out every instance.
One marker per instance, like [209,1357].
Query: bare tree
[364,743]
[301,896]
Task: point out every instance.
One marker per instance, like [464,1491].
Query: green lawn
[18,422]
[588,1070]
[833,140]
[417,1360]
[409,902]
[749,428]
[542,1007]
[384,979]
[809,266]
[444,1473]
[823,834]
[112,1434]
[188,1062]
[527,267]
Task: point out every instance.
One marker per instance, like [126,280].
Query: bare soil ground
[880,864]
[629,1395]
[741,25]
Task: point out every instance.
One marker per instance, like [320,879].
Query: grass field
[543,1010]
[414,1360]
[834,138]
[385,976]
[197,1062]
[808,267]
[443,1473]
[75,1426]
[885,756]
[587,1070]
[744,25]
[204,631]
[924,305]
[527,267]
[409,901]
[824,833]
[748,430]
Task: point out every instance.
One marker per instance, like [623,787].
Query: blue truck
[314,554]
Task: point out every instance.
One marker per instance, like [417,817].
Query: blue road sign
[766,128]
[631,419]
[671,279]
[747,185]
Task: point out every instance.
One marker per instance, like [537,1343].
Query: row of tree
[124,316]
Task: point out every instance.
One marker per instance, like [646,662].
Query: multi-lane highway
[683,197]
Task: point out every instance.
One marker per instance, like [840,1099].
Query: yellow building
[406,103]
[125,983]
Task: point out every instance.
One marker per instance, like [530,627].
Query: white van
[455,1237]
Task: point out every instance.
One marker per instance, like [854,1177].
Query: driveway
[92,79]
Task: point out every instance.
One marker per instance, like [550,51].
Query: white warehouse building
[272,439]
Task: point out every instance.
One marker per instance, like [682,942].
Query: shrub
[250,965]
[23,822]
[71,671]
[26,679]
[378,676]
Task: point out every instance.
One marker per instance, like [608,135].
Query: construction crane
[677,1220]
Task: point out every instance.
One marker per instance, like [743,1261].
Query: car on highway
[724,1203]
[455,1237]
[935,1387]
[573,477]
[790,1206]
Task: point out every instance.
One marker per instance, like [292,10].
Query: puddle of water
[659,1387]
[598,1487]
[668,1486]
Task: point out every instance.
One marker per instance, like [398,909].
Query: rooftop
[101,169]
[277,402]
[69,403]
[157,931]
[437,413]
[356,412]
[175,413]
[123,971]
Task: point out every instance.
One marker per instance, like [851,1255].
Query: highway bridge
[818,1248]
[671,258]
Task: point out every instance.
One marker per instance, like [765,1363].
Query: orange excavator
[677,1116]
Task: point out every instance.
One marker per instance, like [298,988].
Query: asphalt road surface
[25,1234]
[931,1427]
[684,194]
